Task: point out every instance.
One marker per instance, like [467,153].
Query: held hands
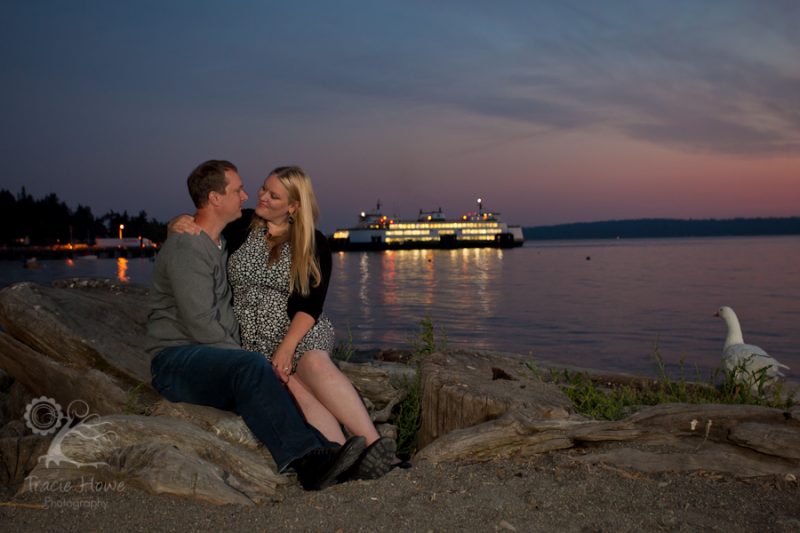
[183,224]
[282,363]
[283,356]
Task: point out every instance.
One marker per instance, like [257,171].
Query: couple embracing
[245,332]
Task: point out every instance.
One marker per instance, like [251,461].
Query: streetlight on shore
[121,227]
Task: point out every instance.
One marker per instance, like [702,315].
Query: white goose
[746,358]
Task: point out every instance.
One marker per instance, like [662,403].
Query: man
[194,339]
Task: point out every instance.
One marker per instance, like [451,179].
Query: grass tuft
[133,405]
[613,401]
[428,340]
[344,350]
[407,415]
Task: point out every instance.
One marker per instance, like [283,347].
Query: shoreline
[365,355]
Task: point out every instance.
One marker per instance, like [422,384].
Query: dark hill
[664,227]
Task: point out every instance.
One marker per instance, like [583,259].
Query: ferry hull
[346,245]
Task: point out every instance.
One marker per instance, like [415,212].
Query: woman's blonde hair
[305,271]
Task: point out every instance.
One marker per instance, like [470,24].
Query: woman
[279,276]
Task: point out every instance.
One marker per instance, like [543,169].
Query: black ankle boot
[320,467]
[375,461]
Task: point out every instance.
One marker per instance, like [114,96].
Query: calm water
[600,304]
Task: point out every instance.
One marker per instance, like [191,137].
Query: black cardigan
[236,233]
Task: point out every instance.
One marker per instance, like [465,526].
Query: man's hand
[184,224]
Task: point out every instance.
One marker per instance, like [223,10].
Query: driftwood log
[382,385]
[157,454]
[81,340]
[742,440]
[19,453]
[78,339]
[461,389]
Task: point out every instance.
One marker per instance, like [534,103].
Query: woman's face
[273,201]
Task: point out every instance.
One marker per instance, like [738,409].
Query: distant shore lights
[121,227]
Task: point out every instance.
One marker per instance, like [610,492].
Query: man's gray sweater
[190,296]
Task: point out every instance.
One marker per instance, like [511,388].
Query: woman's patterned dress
[261,296]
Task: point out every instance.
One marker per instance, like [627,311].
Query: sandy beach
[550,492]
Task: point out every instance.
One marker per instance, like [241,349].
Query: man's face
[234,197]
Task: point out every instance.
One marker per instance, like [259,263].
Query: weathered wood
[224,424]
[381,384]
[712,457]
[84,340]
[477,418]
[5,381]
[100,327]
[63,382]
[458,391]
[770,439]
[718,422]
[78,343]
[738,439]
[14,402]
[516,434]
[14,428]
[19,455]
[394,373]
[160,454]
[230,427]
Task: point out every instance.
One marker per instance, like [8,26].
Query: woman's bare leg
[314,412]
[335,392]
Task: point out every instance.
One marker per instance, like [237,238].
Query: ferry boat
[376,231]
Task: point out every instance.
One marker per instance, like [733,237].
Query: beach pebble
[503,525]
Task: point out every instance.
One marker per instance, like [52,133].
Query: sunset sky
[552,112]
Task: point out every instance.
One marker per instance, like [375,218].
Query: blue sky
[551,111]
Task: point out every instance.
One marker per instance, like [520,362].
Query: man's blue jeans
[243,382]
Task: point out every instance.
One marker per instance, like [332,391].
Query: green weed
[428,340]
[132,404]
[407,415]
[344,350]
[610,401]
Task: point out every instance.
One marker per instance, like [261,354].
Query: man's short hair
[207,177]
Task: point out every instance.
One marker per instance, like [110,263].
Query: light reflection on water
[599,304]
[122,270]
[133,270]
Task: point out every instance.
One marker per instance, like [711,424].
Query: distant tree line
[46,221]
[651,228]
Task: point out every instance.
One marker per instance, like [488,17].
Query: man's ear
[213,198]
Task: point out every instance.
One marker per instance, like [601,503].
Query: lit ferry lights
[376,231]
